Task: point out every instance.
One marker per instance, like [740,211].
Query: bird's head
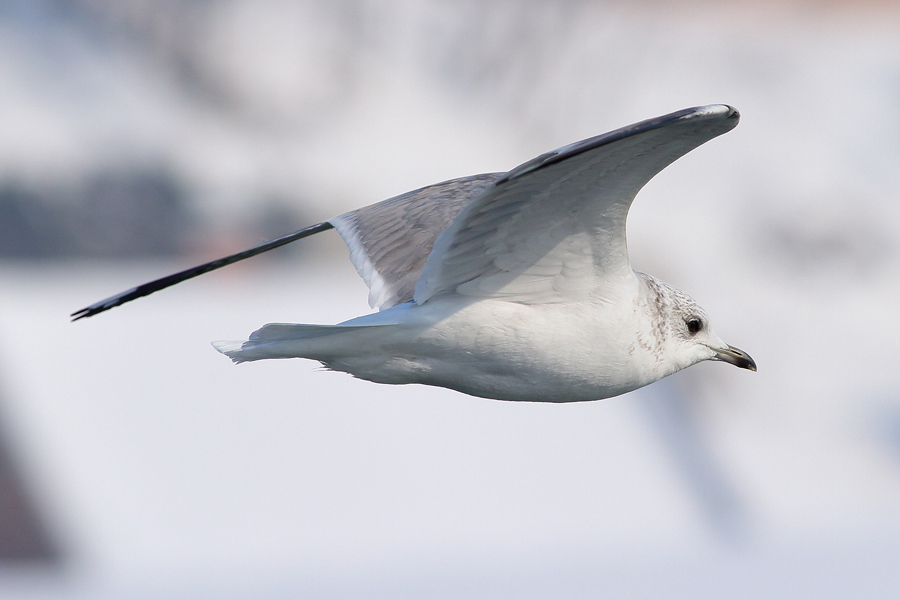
[689,336]
[697,340]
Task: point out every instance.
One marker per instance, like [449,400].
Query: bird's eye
[694,325]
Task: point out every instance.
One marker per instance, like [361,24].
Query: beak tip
[737,357]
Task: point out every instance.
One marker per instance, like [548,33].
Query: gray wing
[390,241]
[553,229]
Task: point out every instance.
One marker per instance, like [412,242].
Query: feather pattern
[390,241]
[553,229]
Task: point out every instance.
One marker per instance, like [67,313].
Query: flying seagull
[514,286]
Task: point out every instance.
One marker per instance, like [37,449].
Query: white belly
[509,351]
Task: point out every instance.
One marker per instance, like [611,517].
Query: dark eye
[694,325]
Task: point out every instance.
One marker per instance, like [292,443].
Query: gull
[512,286]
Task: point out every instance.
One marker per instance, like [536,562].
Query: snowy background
[143,137]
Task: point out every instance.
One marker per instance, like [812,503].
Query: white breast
[508,350]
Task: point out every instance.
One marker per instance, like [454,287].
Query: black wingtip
[88,312]
[113,301]
[170,280]
[84,313]
[724,112]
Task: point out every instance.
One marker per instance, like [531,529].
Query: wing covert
[390,241]
[554,227]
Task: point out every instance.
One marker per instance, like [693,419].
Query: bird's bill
[737,357]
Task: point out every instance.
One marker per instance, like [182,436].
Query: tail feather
[282,340]
[277,332]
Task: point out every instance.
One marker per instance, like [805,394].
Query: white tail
[287,340]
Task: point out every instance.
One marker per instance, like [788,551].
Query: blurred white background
[141,137]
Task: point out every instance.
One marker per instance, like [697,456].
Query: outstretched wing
[553,229]
[390,241]
[546,231]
